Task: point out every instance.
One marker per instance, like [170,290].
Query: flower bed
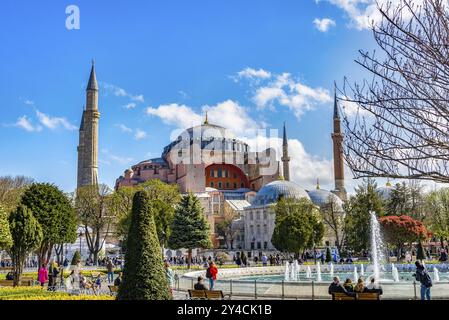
[37,293]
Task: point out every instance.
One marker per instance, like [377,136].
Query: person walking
[53,272]
[170,276]
[110,267]
[424,278]
[42,275]
[211,274]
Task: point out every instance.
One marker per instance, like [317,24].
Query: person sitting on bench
[374,287]
[200,284]
[337,287]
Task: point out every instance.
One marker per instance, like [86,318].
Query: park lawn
[37,293]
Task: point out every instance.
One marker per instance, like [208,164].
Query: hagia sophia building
[222,171]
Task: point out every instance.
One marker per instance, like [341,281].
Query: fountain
[356,275]
[436,275]
[331,270]
[308,272]
[362,270]
[318,272]
[376,246]
[292,271]
[394,273]
[287,272]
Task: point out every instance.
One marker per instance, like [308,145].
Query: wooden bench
[358,296]
[6,283]
[342,296]
[113,290]
[197,294]
[368,296]
[207,295]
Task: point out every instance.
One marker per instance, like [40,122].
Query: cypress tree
[420,255]
[328,255]
[190,229]
[26,234]
[144,276]
[76,258]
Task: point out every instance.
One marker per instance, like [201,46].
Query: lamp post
[81,235]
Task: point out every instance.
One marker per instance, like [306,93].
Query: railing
[312,290]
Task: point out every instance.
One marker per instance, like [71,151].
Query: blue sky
[159,63]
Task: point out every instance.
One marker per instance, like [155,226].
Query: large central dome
[209,137]
[271,192]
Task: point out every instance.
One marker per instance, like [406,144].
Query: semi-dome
[321,197]
[272,191]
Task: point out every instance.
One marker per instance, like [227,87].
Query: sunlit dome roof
[321,197]
[207,131]
[384,192]
[271,192]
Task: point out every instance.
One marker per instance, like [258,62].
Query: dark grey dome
[321,197]
[271,192]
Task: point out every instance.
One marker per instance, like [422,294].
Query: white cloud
[323,25]
[177,115]
[120,92]
[253,73]
[304,167]
[124,128]
[54,122]
[130,105]
[289,92]
[363,13]
[140,134]
[110,157]
[228,114]
[26,124]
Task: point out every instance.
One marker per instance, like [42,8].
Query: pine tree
[190,229]
[5,233]
[26,233]
[328,255]
[420,255]
[76,258]
[144,276]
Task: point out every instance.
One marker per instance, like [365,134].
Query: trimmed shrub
[144,276]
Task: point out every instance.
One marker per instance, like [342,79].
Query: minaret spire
[285,158]
[92,84]
[88,135]
[337,138]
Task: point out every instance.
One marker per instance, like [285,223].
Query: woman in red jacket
[211,274]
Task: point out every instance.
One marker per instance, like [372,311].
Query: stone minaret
[88,136]
[285,158]
[337,138]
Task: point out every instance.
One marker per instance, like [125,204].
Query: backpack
[427,281]
[208,273]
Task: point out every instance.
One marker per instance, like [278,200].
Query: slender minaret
[88,135]
[337,138]
[285,158]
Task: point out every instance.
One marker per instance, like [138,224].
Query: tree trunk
[189,258]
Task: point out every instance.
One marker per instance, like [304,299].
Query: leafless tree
[11,189]
[397,123]
[92,204]
[333,218]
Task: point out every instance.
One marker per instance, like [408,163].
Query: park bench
[6,283]
[113,290]
[207,295]
[342,296]
[359,296]
[368,296]
[6,269]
